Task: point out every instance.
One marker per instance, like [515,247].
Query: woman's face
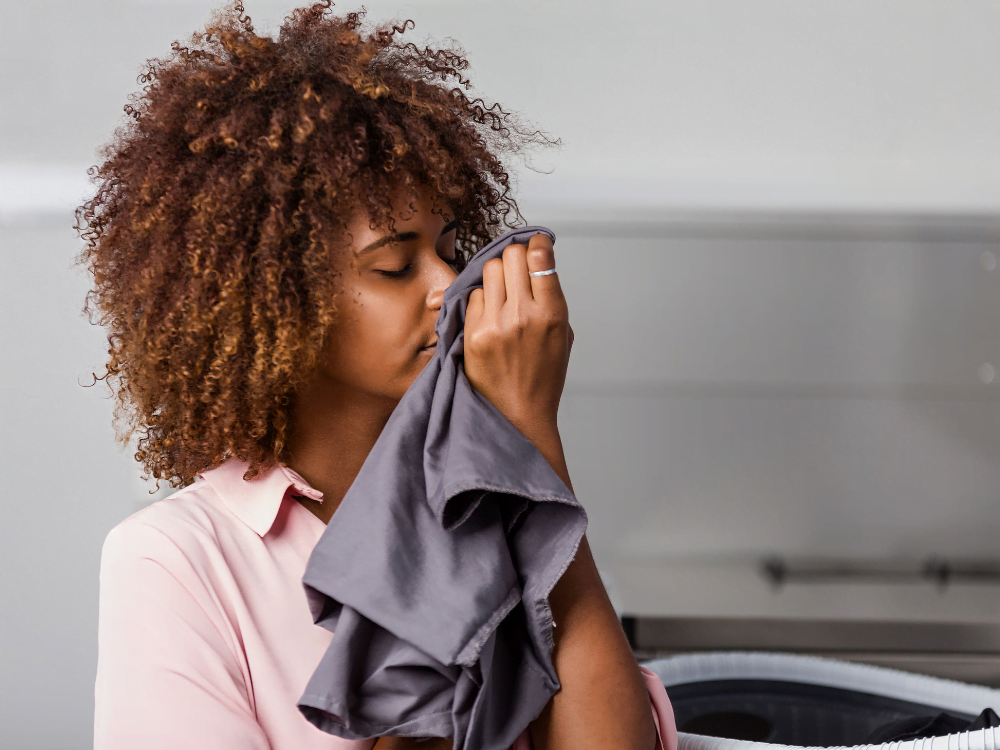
[392,287]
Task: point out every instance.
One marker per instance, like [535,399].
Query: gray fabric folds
[435,571]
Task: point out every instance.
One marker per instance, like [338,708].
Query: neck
[334,430]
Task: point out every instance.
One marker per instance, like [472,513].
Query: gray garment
[435,571]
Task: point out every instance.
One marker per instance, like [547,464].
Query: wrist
[545,437]
[539,430]
[532,420]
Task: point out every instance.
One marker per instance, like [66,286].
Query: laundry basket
[762,701]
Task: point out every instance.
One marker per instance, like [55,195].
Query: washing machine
[814,654]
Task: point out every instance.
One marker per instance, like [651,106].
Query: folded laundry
[435,571]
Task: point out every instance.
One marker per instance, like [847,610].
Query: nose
[441,277]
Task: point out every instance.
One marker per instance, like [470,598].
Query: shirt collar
[256,502]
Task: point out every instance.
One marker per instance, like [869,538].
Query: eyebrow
[389,239]
[392,239]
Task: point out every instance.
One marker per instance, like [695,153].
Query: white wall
[771,102]
[64,486]
[740,391]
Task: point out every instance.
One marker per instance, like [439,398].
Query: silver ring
[542,273]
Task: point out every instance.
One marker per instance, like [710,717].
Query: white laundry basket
[811,702]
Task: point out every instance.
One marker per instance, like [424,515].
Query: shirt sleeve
[167,671]
[663,712]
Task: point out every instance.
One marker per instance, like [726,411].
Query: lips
[430,347]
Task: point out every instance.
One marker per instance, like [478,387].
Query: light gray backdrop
[778,234]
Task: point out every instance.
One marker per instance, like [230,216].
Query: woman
[270,241]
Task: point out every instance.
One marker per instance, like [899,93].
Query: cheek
[372,337]
[382,322]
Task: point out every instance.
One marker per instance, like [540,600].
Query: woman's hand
[517,345]
[518,338]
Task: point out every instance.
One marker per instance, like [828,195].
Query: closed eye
[396,274]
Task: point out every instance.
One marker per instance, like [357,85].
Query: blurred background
[778,227]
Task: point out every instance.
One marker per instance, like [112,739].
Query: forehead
[406,212]
[419,217]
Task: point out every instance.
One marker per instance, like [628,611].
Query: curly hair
[222,199]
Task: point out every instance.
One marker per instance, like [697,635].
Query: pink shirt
[205,639]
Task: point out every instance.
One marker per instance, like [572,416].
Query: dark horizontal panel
[774,634]
[781,570]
